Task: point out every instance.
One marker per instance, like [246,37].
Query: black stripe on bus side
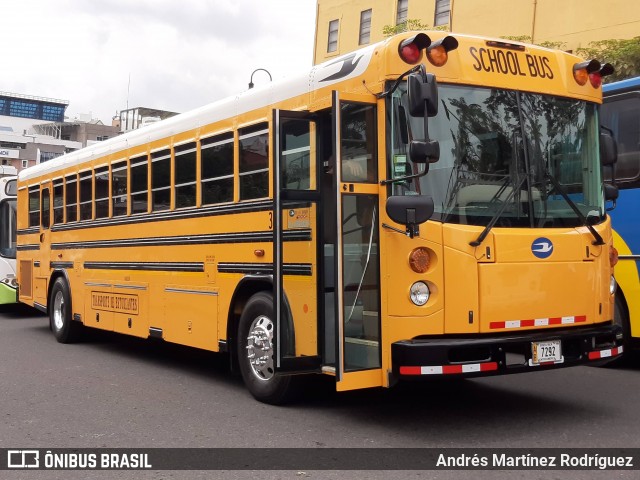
[147,266]
[265,268]
[26,231]
[24,248]
[208,239]
[61,265]
[230,209]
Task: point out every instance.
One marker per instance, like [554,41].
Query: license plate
[546,352]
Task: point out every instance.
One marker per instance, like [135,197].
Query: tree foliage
[623,54]
[527,39]
[408,25]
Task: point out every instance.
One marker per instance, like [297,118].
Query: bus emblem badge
[542,247]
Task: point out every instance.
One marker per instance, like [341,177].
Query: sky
[171,55]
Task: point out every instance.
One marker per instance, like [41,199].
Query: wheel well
[244,291]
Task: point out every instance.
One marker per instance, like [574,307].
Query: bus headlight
[419,293]
[613,285]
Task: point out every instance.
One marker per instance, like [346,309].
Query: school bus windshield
[502,146]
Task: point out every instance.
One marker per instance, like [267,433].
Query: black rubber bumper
[502,354]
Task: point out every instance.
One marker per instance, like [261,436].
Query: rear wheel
[256,354]
[62,325]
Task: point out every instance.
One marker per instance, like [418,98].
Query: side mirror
[611,193]
[424,152]
[422,91]
[608,149]
[410,211]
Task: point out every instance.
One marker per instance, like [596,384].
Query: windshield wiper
[498,214]
[574,207]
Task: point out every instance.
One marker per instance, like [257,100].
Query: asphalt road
[112,391]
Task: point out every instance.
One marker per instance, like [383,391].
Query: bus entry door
[296,247]
[356,246]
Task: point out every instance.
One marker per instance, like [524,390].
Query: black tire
[257,320]
[621,317]
[60,321]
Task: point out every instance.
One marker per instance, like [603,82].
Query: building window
[333,36]
[254,162]
[216,155]
[25,163]
[102,138]
[403,8]
[185,175]
[365,27]
[46,156]
[442,12]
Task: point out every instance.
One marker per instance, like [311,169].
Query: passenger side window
[216,156]
[71,198]
[119,189]
[254,162]
[161,180]
[139,184]
[185,175]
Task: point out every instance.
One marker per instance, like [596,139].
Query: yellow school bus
[430,205]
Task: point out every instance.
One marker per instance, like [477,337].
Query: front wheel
[62,325]
[256,354]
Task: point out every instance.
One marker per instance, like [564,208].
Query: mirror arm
[408,177]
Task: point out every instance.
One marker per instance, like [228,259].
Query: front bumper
[502,354]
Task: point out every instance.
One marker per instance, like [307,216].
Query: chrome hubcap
[58,311]
[260,347]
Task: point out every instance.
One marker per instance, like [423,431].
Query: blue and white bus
[8,191]
[621,113]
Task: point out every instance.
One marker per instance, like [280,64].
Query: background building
[346,25]
[138,117]
[33,130]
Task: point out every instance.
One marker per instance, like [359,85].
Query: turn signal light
[419,260]
[613,256]
[438,51]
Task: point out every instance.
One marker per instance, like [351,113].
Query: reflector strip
[610,352]
[449,369]
[539,322]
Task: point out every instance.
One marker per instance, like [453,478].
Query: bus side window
[119,189]
[58,202]
[254,161]
[71,198]
[86,196]
[161,180]
[34,206]
[46,208]
[102,192]
[139,185]
[185,175]
[623,117]
[216,157]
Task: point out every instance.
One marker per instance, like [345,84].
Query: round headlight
[613,285]
[419,293]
